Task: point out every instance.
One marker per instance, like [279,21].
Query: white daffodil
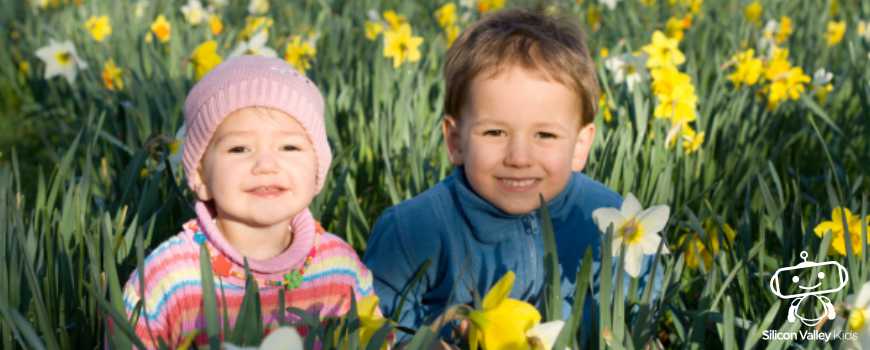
[627,68]
[543,335]
[258,7]
[635,227]
[255,46]
[611,4]
[140,7]
[859,318]
[60,59]
[218,3]
[283,338]
[822,77]
[193,12]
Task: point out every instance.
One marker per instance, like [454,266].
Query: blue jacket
[472,243]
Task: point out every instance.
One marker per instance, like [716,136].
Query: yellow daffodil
[373,29]
[451,33]
[635,227]
[836,31]
[834,8]
[258,7]
[603,52]
[593,17]
[215,24]
[697,253]
[663,51]
[370,319]
[161,28]
[205,58]
[676,25]
[254,25]
[446,15]
[753,12]
[112,76]
[648,2]
[675,95]
[749,69]
[692,140]
[604,107]
[300,53]
[484,6]
[99,27]
[401,45]
[60,59]
[786,82]
[394,20]
[838,230]
[24,68]
[784,29]
[859,318]
[502,322]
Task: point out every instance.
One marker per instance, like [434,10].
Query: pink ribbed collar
[303,239]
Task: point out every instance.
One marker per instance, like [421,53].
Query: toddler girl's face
[519,136]
[260,168]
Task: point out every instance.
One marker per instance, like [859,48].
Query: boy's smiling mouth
[517,184]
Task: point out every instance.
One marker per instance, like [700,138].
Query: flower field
[748,119]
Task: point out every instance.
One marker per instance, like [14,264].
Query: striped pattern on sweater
[172,301]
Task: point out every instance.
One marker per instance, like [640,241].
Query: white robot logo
[808,290]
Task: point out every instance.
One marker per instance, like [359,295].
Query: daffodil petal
[654,219]
[630,206]
[649,243]
[633,260]
[546,332]
[604,217]
[282,338]
[499,291]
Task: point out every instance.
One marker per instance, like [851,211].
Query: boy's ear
[450,129]
[585,137]
[199,187]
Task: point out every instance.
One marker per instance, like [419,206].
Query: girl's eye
[237,149]
[546,135]
[494,132]
[290,148]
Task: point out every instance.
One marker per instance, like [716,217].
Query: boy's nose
[518,153]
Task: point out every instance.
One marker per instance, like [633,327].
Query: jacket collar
[489,224]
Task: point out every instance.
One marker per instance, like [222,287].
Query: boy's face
[259,168]
[519,136]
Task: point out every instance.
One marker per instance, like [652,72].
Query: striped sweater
[317,272]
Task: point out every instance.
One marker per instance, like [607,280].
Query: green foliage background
[74,198]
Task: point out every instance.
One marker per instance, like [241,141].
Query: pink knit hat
[248,81]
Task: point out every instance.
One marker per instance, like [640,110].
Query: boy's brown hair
[534,41]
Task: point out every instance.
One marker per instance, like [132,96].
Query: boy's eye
[290,148]
[547,135]
[494,132]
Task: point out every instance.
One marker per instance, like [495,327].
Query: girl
[255,155]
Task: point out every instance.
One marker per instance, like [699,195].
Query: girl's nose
[265,163]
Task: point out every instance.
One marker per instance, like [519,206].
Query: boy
[520,103]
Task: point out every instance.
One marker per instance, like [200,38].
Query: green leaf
[552,286]
[209,298]
[249,324]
